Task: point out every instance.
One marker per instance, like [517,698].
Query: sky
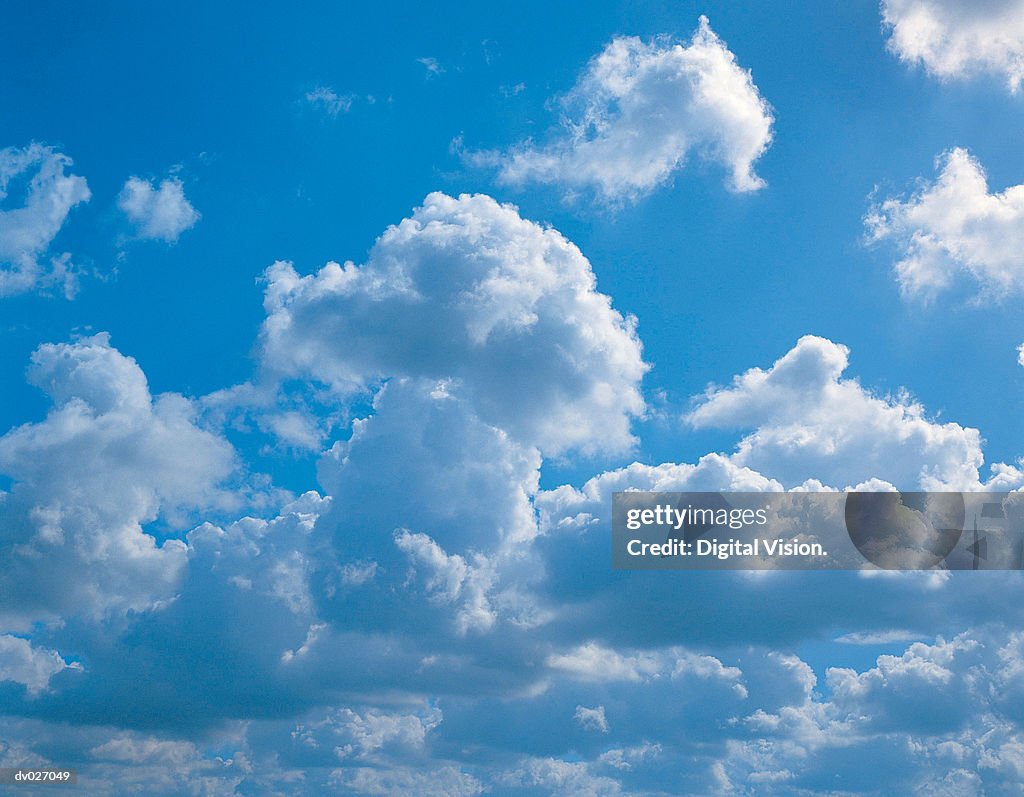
[329,332]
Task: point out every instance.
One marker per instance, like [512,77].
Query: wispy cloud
[432,65]
[330,101]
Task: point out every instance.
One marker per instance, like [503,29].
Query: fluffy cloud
[955,226]
[469,292]
[159,212]
[639,110]
[953,39]
[811,423]
[442,625]
[27,231]
[33,667]
[107,459]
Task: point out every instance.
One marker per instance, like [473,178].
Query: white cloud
[592,719]
[953,227]
[432,532]
[811,423]
[441,782]
[432,65]
[108,458]
[594,662]
[27,231]
[330,101]
[1020,354]
[954,39]
[877,637]
[638,111]
[368,735]
[923,686]
[24,664]
[416,441]
[626,758]
[566,778]
[145,750]
[158,212]
[469,292]
[452,579]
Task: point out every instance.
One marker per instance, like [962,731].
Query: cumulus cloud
[451,578]
[466,290]
[453,306]
[955,226]
[28,230]
[24,664]
[809,422]
[158,212]
[442,625]
[954,40]
[556,776]
[108,458]
[639,111]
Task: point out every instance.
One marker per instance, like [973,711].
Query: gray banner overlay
[818,531]
[28,776]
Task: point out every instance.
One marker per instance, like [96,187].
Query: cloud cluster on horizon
[431,621]
[435,622]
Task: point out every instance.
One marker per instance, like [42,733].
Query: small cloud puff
[158,212]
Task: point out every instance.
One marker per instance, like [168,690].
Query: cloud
[432,65]
[592,719]
[158,212]
[877,637]
[555,776]
[469,294]
[27,231]
[436,622]
[108,458]
[955,227]
[24,664]
[330,101]
[639,111]
[451,578]
[594,662]
[811,423]
[441,782]
[955,40]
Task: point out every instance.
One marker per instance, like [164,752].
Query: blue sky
[581,248]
